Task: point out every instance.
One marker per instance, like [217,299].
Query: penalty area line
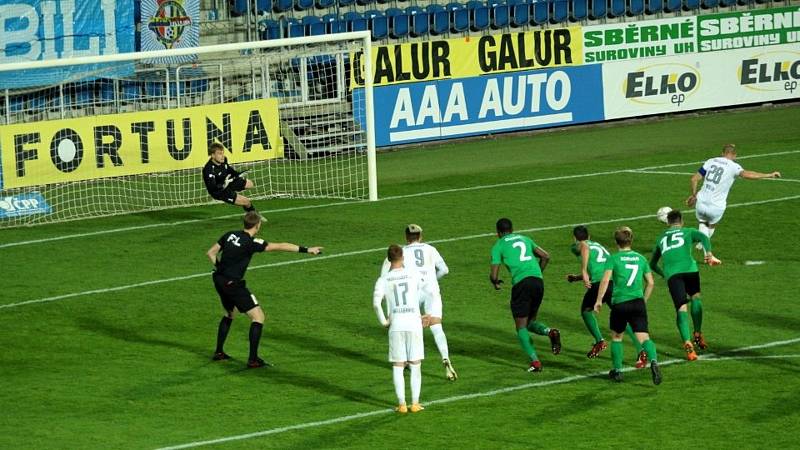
[492,393]
[383,199]
[361,252]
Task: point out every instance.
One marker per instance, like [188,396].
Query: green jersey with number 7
[628,270]
[515,251]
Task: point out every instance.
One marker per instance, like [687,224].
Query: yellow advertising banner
[137,143]
[471,56]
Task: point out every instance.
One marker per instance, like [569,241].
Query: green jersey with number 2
[628,270]
[597,259]
[675,248]
[515,251]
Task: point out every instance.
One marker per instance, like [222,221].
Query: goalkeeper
[223,182]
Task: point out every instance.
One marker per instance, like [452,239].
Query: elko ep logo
[661,83]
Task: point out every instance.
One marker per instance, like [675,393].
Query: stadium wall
[545,78]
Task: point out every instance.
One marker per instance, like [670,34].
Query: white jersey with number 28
[718,177]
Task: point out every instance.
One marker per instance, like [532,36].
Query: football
[661,215]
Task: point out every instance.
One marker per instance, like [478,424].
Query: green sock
[526,343]
[697,313]
[616,354]
[591,324]
[632,335]
[683,325]
[650,348]
[538,328]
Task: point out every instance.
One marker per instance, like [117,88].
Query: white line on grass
[361,252]
[492,393]
[390,198]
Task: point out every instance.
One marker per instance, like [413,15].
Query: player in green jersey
[593,257]
[519,254]
[674,246]
[628,270]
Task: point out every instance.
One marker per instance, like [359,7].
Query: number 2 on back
[522,249]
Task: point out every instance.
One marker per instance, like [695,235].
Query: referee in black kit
[231,255]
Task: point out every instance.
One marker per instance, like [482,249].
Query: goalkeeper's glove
[495,282]
[228,180]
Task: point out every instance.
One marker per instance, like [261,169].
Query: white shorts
[432,304]
[708,213]
[406,346]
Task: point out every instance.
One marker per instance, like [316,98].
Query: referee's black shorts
[526,297]
[682,286]
[234,293]
[591,296]
[633,312]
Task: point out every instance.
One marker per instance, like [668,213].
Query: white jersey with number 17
[402,289]
[718,177]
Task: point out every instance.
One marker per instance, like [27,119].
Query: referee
[231,255]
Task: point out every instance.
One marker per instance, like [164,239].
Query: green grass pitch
[119,354]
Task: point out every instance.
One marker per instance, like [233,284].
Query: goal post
[126,133]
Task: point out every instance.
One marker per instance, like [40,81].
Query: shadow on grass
[322,386]
[135,336]
[327,348]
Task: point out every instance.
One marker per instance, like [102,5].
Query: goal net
[130,132]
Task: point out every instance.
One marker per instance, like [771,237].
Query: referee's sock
[222,332]
[255,338]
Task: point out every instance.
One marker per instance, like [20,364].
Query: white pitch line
[361,252]
[492,393]
[383,199]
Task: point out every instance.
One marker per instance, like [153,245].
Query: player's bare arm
[649,284]
[751,175]
[213,252]
[292,248]
[587,281]
[601,291]
[543,256]
[693,183]
[493,274]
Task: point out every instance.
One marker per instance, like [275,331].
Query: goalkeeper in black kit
[223,182]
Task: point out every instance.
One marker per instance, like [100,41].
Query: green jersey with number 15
[675,245]
[516,252]
[597,259]
[628,270]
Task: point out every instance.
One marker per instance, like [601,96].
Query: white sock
[416,382]
[703,228]
[400,384]
[711,232]
[441,340]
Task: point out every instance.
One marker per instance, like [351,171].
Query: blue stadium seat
[710,3]
[154,89]
[346,3]
[635,7]
[398,23]
[324,4]
[301,5]
[479,15]
[198,86]
[131,90]
[383,2]
[499,13]
[440,19]
[294,28]
[272,29]
[459,17]
[579,10]
[106,91]
[283,5]
[672,5]
[83,95]
[364,2]
[239,7]
[616,8]
[559,11]
[520,12]
[378,24]
[355,21]
[654,6]
[332,23]
[726,3]
[263,5]
[419,21]
[690,5]
[541,11]
[17,103]
[313,25]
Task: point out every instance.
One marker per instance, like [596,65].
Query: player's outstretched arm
[601,291]
[212,253]
[543,256]
[292,248]
[751,175]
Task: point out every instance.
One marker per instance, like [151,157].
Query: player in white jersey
[427,261]
[401,288]
[718,175]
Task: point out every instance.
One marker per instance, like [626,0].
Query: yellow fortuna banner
[471,56]
[137,143]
